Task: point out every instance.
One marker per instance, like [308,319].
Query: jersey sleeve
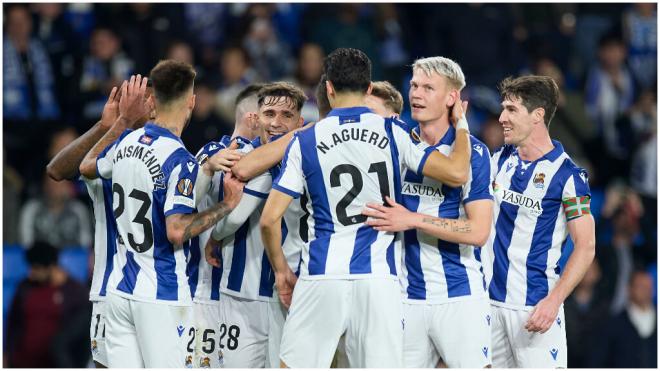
[576,196]
[478,187]
[290,179]
[180,196]
[104,159]
[409,154]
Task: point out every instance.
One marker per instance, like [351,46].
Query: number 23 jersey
[153,176]
[343,162]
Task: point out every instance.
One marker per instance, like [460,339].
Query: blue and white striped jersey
[437,271]
[246,271]
[153,176]
[204,279]
[529,224]
[350,158]
[105,235]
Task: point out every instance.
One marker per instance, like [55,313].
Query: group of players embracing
[355,241]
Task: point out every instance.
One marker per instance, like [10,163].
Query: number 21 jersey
[153,176]
[350,158]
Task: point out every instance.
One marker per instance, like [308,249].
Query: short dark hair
[534,92]
[322,101]
[171,80]
[42,253]
[282,89]
[349,70]
[248,91]
[388,93]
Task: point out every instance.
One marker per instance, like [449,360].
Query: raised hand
[458,110]
[111,108]
[132,105]
[224,159]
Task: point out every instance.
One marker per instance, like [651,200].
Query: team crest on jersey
[189,361]
[95,348]
[185,187]
[145,139]
[539,180]
[205,363]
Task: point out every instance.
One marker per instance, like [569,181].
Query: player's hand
[210,252]
[132,105]
[233,190]
[111,108]
[458,110]
[285,282]
[391,218]
[224,159]
[543,315]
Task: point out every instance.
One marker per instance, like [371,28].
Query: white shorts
[97,333]
[207,335]
[368,311]
[459,332]
[141,334]
[276,318]
[243,332]
[513,346]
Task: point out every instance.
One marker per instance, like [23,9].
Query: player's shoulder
[507,150]
[479,149]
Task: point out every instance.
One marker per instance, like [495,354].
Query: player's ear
[329,89]
[369,88]
[191,102]
[451,98]
[301,121]
[539,115]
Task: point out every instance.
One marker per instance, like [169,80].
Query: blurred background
[60,62]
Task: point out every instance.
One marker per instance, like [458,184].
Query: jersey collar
[550,156]
[155,131]
[349,111]
[447,139]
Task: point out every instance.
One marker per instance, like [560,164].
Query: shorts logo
[205,363]
[95,349]
[553,353]
[180,329]
[189,361]
[185,187]
[539,180]
[221,358]
[559,321]
[485,351]
[403,324]
[488,319]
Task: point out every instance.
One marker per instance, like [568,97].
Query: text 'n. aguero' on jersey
[153,177]
[437,271]
[352,157]
[534,200]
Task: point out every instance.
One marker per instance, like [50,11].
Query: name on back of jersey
[147,157]
[356,134]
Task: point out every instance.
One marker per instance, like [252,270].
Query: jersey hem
[511,306]
[348,277]
[245,297]
[444,301]
[177,303]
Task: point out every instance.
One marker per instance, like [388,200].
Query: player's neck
[242,131]
[172,120]
[432,131]
[537,145]
[347,100]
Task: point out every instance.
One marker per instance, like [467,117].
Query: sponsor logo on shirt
[514,198]
[423,190]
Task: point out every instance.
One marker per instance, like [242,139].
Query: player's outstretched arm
[66,162]
[131,108]
[583,233]
[271,234]
[182,227]
[452,170]
[472,231]
[262,158]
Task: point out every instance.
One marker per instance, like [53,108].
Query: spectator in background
[271,58]
[206,26]
[308,74]
[630,337]
[205,124]
[609,93]
[570,125]
[104,67]
[491,133]
[44,304]
[619,253]
[62,45]
[391,31]
[585,310]
[55,217]
[640,30]
[12,185]
[236,74]
[28,80]
[182,51]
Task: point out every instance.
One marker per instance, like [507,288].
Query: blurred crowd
[60,62]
